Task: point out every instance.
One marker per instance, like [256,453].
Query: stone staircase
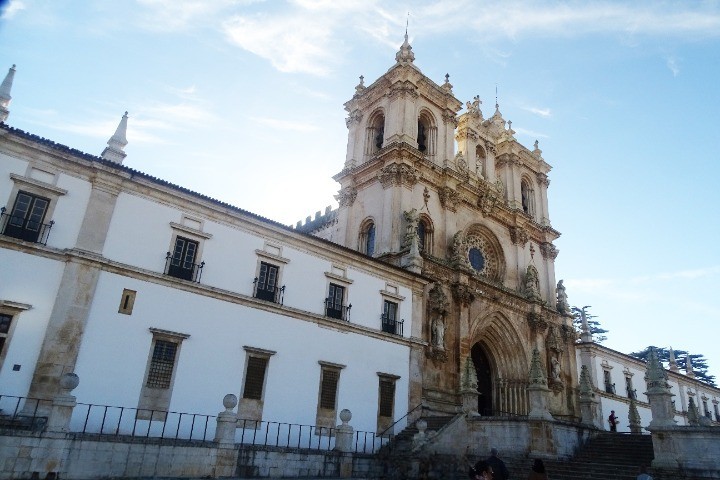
[402,442]
[614,456]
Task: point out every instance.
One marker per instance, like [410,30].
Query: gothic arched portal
[483,369]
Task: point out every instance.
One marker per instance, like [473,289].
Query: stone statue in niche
[412,218]
[562,299]
[532,283]
[438,332]
[555,369]
[461,163]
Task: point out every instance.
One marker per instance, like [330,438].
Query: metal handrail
[381,434]
[274,291]
[182,269]
[38,235]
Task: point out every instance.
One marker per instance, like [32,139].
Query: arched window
[426,134]
[375,133]
[527,195]
[480,161]
[425,233]
[367,238]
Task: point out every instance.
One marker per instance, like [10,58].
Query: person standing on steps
[498,466]
[613,421]
[643,475]
[538,471]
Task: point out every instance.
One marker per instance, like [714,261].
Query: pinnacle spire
[114,152]
[673,361]
[688,366]
[405,55]
[5,97]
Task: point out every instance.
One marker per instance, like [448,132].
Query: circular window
[476,259]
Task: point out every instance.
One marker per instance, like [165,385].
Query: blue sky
[242,101]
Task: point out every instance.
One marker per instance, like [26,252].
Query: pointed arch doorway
[483,369]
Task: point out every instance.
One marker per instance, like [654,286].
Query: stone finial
[673,362]
[405,55]
[5,97]
[586,389]
[562,304]
[688,366]
[69,381]
[537,152]
[230,401]
[655,375]
[537,374]
[114,152]
[360,86]
[693,414]
[447,86]
[469,380]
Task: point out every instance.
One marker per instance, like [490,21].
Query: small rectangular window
[127,301]
[255,378]
[334,307]
[326,417]
[387,397]
[181,262]
[389,317]
[159,377]
[266,283]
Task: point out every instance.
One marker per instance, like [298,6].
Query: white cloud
[12,8]
[285,124]
[672,64]
[542,112]
[530,133]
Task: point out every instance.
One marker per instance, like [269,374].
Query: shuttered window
[255,377]
[387,397]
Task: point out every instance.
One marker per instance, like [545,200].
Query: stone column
[588,401]
[344,443]
[63,404]
[226,460]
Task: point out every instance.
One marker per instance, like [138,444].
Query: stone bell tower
[399,121]
[474,220]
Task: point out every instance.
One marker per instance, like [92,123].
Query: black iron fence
[337,311]
[268,292]
[391,325]
[30,414]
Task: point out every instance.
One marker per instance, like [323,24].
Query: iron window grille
[162,364]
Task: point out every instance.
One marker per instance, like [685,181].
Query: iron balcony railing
[610,388]
[337,311]
[178,268]
[632,393]
[391,325]
[268,292]
[23,228]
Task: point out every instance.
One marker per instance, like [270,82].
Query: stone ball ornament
[229,401]
[69,381]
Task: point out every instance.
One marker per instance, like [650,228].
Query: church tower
[473,218]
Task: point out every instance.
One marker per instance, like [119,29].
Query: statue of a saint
[562,299]
[438,332]
[555,369]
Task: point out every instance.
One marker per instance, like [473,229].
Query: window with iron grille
[334,302]
[255,377]
[162,364]
[387,397]
[5,322]
[26,218]
[328,388]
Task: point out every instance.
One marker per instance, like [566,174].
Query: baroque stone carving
[411,225]
[531,283]
[346,197]
[568,333]
[537,377]
[437,300]
[553,341]
[490,147]
[354,117]
[460,254]
[473,108]
[518,235]
[548,250]
[462,293]
[398,174]
[449,198]
[537,322]
[450,118]
[543,179]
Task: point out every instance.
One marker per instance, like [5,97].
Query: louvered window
[387,397]
[162,364]
[328,388]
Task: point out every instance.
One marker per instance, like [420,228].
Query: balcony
[391,325]
[178,268]
[337,311]
[610,388]
[267,292]
[24,228]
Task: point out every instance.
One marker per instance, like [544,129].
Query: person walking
[498,466]
[613,421]
[537,472]
[643,475]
